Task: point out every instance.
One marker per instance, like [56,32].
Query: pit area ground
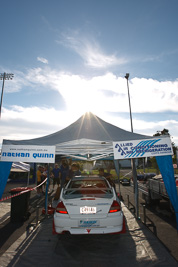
[32,243]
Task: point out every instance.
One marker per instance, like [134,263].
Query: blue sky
[71,56]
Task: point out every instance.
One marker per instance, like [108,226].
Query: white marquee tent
[89,138]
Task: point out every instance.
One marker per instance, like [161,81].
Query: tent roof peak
[89,127]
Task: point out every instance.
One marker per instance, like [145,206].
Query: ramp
[137,247]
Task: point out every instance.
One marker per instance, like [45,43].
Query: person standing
[43,177]
[39,180]
[108,176]
[55,173]
[63,174]
[77,171]
[71,172]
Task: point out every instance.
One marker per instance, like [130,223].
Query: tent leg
[134,173]
[34,173]
[46,196]
[28,181]
[116,163]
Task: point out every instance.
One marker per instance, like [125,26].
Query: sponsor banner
[142,148]
[37,154]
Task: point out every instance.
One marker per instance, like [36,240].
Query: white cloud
[108,92]
[145,127]
[91,52]
[94,57]
[46,116]
[148,95]
[43,60]
[19,122]
[102,95]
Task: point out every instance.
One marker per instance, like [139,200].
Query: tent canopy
[91,138]
[88,138]
[20,167]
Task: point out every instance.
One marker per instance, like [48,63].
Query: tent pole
[116,163]
[34,173]
[28,178]
[46,196]
[134,173]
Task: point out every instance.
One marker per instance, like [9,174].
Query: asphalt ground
[10,232]
[159,219]
[21,241]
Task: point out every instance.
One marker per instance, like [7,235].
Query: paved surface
[36,246]
[10,232]
[162,218]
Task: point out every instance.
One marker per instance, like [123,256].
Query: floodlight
[127,76]
[4,76]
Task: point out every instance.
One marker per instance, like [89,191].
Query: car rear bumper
[112,224]
[81,231]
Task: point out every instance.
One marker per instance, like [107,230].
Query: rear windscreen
[94,188]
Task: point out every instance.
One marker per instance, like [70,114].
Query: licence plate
[92,223]
[87,210]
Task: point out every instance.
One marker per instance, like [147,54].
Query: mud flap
[54,231]
[123,227]
[57,194]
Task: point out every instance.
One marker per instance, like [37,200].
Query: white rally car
[88,205]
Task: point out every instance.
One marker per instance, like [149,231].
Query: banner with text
[142,148]
[37,154]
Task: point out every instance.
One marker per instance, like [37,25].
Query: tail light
[115,207]
[61,208]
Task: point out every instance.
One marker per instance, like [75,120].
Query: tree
[163,132]
[166,132]
[159,133]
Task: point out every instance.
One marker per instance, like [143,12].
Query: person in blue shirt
[63,173]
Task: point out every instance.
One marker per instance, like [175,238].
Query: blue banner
[166,168]
[5,168]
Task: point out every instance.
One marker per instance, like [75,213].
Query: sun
[85,102]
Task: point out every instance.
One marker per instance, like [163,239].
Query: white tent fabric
[89,138]
[20,167]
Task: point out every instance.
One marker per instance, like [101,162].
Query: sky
[71,56]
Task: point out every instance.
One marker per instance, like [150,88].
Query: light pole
[127,78]
[4,76]
[134,172]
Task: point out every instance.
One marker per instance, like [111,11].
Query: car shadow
[133,248]
[101,250]
[45,249]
